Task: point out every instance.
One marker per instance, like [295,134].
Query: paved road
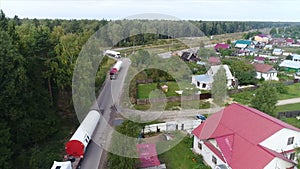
[288,101]
[107,98]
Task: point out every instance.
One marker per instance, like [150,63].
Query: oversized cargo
[115,70]
[77,144]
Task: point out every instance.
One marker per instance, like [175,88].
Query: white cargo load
[62,165]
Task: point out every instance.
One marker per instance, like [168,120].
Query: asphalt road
[109,96]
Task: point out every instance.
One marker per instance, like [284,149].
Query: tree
[219,87]
[265,98]
[273,31]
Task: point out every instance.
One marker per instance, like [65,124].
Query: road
[288,101]
[109,96]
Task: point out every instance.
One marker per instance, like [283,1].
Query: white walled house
[204,82]
[240,137]
[265,71]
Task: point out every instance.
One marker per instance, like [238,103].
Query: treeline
[37,58]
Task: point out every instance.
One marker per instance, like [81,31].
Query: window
[203,85]
[200,146]
[292,156]
[290,141]
[214,159]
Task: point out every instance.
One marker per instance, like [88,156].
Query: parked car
[200,117]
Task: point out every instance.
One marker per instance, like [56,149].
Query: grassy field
[181,156]
[145,89]
[293,92]
[246,96]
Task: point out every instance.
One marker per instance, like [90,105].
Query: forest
[37,59]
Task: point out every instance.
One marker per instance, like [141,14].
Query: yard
[145,89]
[182,157]
[245,97]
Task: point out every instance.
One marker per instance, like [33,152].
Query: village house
[265,71]
[262,38]
[290,41]
[204,82]
[241,137]
[277,51]
[290,65]
[219,46]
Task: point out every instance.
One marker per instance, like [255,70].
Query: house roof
[222,46]
[205,78]
[262,35]
[264,68]
[247,42]
[214,69]
[277,50]
[290,64]
[259,58]
[214,60]
[238,131]
[290,40]
[148,155]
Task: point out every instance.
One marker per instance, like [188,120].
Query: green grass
[293,92]
[145,89]
[182,157]
[288,107]
[243,97]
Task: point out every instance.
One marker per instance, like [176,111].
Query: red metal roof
[264,68]
[238,131]
[222,46]
[214,60]
[148,155]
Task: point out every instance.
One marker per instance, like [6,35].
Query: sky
[206,10]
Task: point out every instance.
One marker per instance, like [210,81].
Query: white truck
[112,53]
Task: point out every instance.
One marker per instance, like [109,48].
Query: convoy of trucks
[76,146]
[115,70]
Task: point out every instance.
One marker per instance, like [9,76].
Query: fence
[289,114]
[173,99]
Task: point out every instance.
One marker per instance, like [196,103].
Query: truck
[115,70]
[112,53]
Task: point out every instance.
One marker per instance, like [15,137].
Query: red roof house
[241,137]
[221,46]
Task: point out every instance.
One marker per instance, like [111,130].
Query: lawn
[145,89]
[288,107]
[182,157]
[245,97]
[293,92]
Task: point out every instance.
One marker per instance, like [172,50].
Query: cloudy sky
[233,10]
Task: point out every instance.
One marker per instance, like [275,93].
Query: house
[240,137]
[289,41]
[262,38]
[219,46]
[277,51]
[265,71]
[259,59]
[214,61]
[268,47]
[204,82]
[295,57]
[242,44]
[189,56]
[290,65]
[278,42]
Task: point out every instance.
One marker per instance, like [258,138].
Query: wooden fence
[173,99]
